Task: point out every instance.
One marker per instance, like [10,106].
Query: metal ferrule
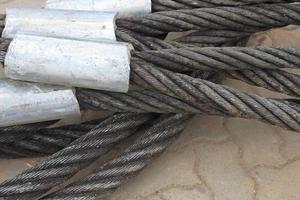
[24,103]
[76,63]
[125,8]
[60,23]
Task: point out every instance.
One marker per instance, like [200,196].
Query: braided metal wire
[251,18]
[227,58]
[167,5]
[25,141]
[149,144]
[223,98]
[65,163]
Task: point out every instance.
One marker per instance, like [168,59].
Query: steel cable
[251,18]
[215,38]
[167,5]
[67,162]
[22,141]
[149,144]
[275,80]
[141,102]
[224,58]
[144,101]
[223,98]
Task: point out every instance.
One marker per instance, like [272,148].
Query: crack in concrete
[241,160]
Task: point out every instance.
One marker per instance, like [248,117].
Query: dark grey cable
[251,18]
[224,58]
[32,141]
[168,5]
[231,101]
[149,144]
[67,162]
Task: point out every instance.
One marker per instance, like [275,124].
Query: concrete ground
[215,158]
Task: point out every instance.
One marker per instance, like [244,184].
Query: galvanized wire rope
[141,102]
[226,58]
[64,164]
[167,5]
[215,38]
[230,101]
[250,18]
[150,143]
[31,141]
[275,80]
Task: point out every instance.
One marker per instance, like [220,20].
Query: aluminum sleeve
[125,8]
[76,63]
[60,23]
[24,103]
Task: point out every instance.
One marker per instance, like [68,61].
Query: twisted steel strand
[224,58]
[231,101]
[149,101]
[144,43]
[274,80]
[15,144]
[251,18]
[65,163]
[15,133]
[149,144]
[24,128]
[167,5]
[215,38]
[141,102]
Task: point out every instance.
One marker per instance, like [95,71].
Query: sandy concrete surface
[215,158]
